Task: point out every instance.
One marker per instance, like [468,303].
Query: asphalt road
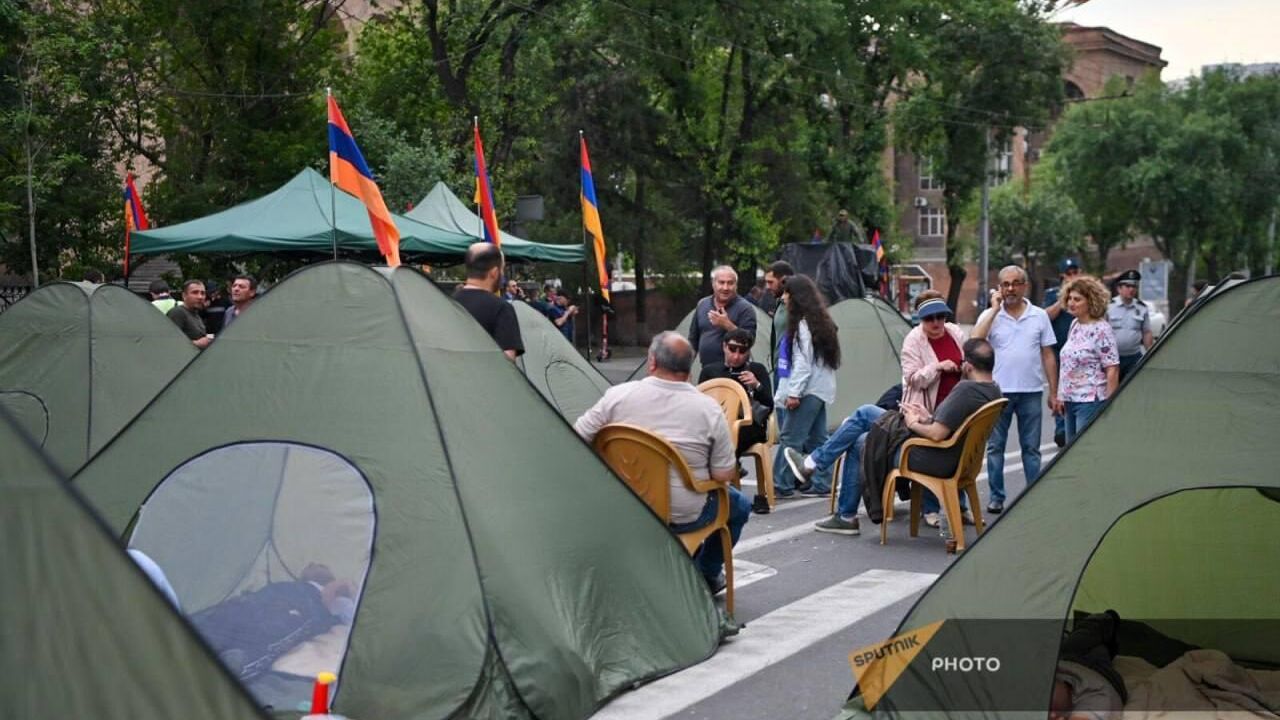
[808,599]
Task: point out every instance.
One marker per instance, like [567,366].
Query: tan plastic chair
[973,433]
[735,402]
[643,460]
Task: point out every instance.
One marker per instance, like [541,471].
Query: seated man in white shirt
[666,404]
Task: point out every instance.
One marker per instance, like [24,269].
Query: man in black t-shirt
[967,397]
[186,314]
[479,296]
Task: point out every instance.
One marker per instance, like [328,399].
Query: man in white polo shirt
[1023,339]
[666,404]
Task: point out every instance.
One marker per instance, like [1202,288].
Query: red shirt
[946,348]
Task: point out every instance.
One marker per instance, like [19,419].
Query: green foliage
[1031,228]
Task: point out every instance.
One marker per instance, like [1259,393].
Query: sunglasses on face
[934,318]
[737,348]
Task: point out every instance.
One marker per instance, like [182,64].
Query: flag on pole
[135,218]
[591,219]
[484,194]
[882,269]
[348,171]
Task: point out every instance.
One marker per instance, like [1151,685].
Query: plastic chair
[735,402]
[643,460]
[973,433]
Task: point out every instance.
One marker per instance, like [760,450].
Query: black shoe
[716,584]
[760,505]
[1060,439]
[995,507]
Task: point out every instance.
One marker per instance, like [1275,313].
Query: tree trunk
[955,264]
[708,253]
[31,216]
[642,330]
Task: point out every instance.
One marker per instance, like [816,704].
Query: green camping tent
[1166,510]
[371,431]
[871,334]
[442,209]
[78,361]
[759,351]
[555,367]
[83,634]
[297,218]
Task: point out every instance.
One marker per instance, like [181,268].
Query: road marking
[746,545]
[770,639]
[745,573]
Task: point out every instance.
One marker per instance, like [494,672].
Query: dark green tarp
[83,634]
[78,361]
[442,209]
[871,334]
[555,367]
[1164,510]
[297,218]
[510,573]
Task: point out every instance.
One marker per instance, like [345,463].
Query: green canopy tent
[495,566]
[1165,510]
[554,366]
[78,360]
[442,209]
[84,633]
[871,334]
[759,351]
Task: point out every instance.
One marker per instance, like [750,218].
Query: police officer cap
[1068,264]
[1129,277]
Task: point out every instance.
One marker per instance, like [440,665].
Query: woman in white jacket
[808,358]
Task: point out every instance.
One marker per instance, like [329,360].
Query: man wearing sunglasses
[753,377]
[1023,340]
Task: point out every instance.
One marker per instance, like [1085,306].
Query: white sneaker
[933,520]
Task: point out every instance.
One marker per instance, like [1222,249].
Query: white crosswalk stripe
[770,639]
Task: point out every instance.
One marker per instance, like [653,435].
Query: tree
[989,66]
[1032,227]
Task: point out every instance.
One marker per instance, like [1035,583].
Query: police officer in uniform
[1130,319]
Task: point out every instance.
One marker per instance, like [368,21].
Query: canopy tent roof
[871,334]
[441,208]
[1165,508]
[555,367]
[86,635]
[297,218]
[470,607]
[78,361]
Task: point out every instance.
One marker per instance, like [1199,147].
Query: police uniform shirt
[1129,322]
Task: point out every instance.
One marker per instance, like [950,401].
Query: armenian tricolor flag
[882,269]
[484,193]
[135,218]
[348,170]
[591,218]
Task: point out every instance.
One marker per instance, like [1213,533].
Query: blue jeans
[849,438]
[1078,415]
[804,429]
[1128,363]
[1027,406]
[710,557]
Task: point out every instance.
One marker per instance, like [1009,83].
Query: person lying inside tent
[249,631]
[1086,685]
[871,454]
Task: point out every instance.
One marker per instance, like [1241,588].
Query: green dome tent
[78,360]
[1166,509]
[871,334]
[565,378]
[759,351]
[85,635]
[373,434]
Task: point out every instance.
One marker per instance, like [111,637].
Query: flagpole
[475,154]
[586,277]
[333,193]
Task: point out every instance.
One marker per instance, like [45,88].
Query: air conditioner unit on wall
[922,202]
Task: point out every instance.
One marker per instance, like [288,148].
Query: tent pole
[333,199]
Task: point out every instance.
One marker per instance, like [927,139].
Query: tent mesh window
[266,546]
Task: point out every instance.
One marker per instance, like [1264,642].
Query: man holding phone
[753,377]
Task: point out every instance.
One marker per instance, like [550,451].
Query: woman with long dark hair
[808,357]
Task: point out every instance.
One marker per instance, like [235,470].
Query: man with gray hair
[666,404]
[1023,338]
[718,313]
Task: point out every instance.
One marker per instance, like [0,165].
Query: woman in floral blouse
[1090,363]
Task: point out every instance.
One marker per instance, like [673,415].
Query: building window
[1002,168]
[933,222]
[924,169]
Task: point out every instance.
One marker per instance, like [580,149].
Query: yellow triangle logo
[877,667]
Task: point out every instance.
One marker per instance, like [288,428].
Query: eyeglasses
[737,348]
[1014,284]
[934,318]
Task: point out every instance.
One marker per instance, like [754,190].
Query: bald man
[479,295]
